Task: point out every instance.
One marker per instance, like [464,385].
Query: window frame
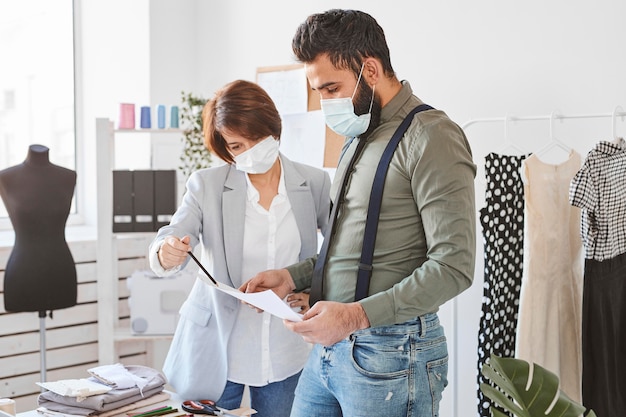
[76,217]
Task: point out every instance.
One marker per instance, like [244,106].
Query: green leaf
[511,377]
[194,155]
[496,413]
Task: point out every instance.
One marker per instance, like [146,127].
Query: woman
[259,211]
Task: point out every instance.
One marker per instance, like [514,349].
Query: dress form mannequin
[40,274]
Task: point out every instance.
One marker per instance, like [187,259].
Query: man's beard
[362,100]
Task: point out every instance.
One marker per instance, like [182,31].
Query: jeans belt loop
[422,326]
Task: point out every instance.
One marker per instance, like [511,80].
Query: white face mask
[258,159]
[340,117]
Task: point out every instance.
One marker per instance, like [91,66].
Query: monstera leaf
[511,376]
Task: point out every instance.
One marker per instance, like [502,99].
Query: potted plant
[194,154]
[511,376]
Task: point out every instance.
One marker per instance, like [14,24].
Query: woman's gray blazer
[212,212]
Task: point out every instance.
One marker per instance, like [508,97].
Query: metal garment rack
[618,112]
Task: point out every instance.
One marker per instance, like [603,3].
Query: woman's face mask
[340,117]
[259,158]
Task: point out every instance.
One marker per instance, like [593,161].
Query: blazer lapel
[302,204]
[233,217]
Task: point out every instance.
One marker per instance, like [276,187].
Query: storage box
[154,301]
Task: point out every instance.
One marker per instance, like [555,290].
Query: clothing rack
[618,112]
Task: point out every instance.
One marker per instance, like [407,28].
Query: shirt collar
[611,148]
[397,102]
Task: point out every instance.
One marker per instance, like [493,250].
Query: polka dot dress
[502,220]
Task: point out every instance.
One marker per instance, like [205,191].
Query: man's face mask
[259,158]
[340,117]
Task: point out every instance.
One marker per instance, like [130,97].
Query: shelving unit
[107,244]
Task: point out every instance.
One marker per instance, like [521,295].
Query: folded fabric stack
[123,388]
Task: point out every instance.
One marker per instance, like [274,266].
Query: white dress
[550,315]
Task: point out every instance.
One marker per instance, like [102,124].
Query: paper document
[266,301]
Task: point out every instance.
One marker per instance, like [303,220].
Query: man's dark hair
[347,36]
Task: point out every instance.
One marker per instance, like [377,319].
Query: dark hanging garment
[599,189]
[502,220]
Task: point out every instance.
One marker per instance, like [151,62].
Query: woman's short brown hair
[242,108]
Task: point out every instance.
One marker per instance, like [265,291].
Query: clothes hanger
[508,145]
[554,142]
[616,110]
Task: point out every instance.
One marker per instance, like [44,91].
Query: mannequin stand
[42,345]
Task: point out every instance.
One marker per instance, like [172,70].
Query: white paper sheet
[265,300]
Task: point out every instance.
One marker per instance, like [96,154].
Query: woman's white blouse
[261,350]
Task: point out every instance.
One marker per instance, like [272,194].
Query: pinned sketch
[287,87]
[302,138]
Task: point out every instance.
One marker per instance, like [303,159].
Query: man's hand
[328,322]
[277,280]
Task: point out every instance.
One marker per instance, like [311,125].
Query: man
[384,354]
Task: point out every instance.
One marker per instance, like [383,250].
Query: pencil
[201,267]
[133,414]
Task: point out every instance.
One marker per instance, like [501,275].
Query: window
[36,82]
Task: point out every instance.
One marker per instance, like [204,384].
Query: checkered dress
[599,189]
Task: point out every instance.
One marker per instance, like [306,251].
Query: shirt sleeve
[186,221]
[582,191]
[442,181]
[302,272]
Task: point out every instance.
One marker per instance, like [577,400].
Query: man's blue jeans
[397,370]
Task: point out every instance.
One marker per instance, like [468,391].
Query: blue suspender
[373,210]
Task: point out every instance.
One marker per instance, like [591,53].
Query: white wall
[114,53]
[484,58]
[471,58]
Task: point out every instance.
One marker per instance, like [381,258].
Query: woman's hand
[299,299]
[173,251]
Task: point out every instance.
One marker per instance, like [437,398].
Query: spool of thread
[174,117]
[145,117]
[161,116]
[8,406]
[127,116]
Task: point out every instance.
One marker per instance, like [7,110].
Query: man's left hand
[328,322]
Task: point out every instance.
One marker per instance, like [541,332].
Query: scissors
[201,407]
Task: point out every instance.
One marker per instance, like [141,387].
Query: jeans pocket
[437,379]
[378,360]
